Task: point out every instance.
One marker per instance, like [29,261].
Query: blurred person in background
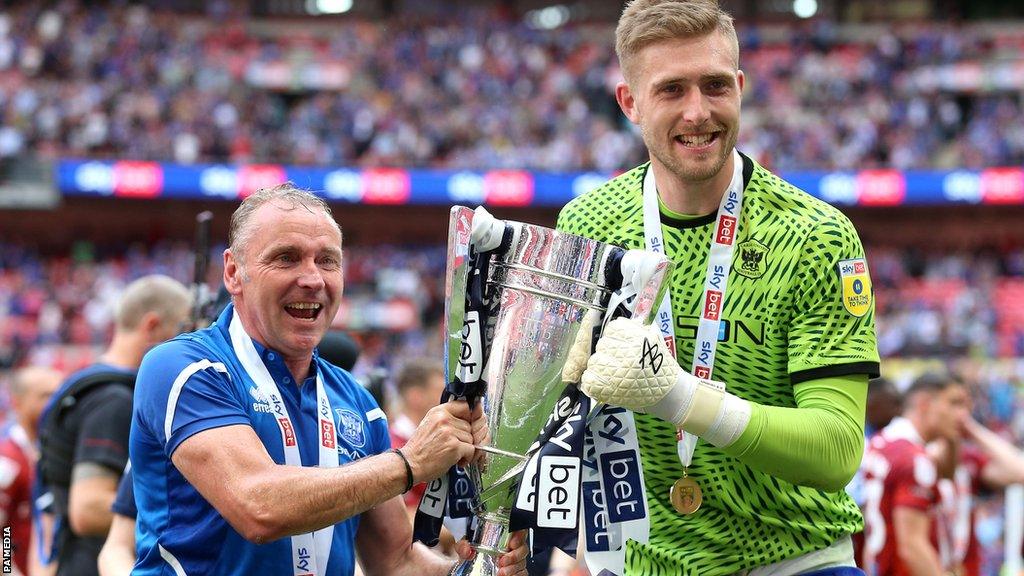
[420,383]
[973,462]
[901,511]
[772,449]
[242,435]
[30,388]
[883,404]
[84,429]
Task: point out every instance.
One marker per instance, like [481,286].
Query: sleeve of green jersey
[817,444]
[565,220]
[833,327]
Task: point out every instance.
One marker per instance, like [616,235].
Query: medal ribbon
[716,278]
[310,551]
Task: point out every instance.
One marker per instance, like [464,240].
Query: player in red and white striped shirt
[901,480]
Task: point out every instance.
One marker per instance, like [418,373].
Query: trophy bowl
[535,288]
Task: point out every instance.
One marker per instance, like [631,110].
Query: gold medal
[685,495]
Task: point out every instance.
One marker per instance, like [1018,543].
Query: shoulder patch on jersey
[855,286]
[752,259]
[350,427]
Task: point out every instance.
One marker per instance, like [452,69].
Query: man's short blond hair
[645,22]
[157,293]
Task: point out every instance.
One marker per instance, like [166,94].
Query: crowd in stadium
[126,82]
[928,305]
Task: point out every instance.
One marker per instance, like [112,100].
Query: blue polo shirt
[195,382]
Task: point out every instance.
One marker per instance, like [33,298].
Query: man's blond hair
[157,293]
[645,22]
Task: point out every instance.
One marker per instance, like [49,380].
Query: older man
[250,453]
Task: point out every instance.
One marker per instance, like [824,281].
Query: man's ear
[627,102]
[151,321]
[232,273]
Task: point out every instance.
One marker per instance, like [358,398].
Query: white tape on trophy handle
[487,230]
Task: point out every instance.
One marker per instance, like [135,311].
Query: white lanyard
[310,551]
[716,278]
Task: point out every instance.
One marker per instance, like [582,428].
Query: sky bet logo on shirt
[856,286]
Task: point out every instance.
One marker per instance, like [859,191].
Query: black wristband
[409,483]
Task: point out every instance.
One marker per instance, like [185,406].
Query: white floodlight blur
[329,6]
[548,18]
[805,8]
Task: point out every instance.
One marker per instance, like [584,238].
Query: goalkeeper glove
[632,367]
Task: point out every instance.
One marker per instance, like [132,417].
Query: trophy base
[490,543]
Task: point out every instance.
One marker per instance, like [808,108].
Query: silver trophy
[540,284]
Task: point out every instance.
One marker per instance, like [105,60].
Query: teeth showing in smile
[305,310]
[696,139]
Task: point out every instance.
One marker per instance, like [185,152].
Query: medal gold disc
[685,495]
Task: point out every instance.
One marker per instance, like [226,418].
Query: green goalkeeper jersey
[798,308]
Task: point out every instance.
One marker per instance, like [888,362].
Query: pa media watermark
[8,561]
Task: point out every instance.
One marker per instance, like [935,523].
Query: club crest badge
[856,286]
[751,259]
[350,427]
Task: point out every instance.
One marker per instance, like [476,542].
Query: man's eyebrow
[275,249]
[703,78]
[720,76]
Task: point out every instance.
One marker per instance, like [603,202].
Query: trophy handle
[645,272]
[460,229]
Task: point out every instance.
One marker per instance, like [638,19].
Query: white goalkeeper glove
[633,368]
[579,352]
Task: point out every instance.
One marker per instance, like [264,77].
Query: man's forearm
[920,559]
[1005,459]
[93,489]
[294,500]
[420,561]
[818,444]
[117,558]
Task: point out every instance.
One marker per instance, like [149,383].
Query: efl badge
[856,286]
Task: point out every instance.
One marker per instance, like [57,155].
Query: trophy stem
[489,541]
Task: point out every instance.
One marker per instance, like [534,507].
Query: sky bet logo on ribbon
[286,429]
[726,230]
[713,305]
[856,286]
